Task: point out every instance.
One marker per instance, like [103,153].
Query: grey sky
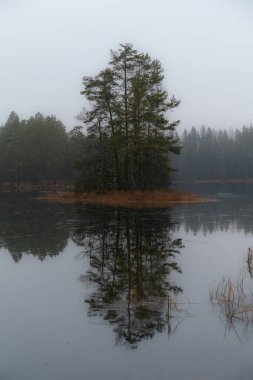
[205,47]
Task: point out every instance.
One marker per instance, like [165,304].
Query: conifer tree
[128,118]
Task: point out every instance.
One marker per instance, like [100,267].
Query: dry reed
[234,296]
[249,261]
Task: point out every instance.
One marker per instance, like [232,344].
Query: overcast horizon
[204,47]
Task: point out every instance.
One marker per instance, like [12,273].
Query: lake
[91,292]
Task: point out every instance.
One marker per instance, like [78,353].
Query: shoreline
[135,199]
[215,181]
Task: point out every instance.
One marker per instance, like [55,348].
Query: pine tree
[128,117]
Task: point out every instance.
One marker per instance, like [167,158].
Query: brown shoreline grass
[137,199]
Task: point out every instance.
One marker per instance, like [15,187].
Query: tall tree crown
[128,116]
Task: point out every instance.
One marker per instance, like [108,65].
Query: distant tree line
[209,154]
[37,149]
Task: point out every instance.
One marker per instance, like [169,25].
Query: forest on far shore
[208,154]
[40,149]
[36,150]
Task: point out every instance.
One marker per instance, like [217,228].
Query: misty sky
[205,47]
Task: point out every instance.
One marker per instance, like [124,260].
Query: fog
[204,46]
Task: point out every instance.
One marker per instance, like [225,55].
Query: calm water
[108,293]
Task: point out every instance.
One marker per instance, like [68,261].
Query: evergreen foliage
[129,137]
[208,154]
[37,149]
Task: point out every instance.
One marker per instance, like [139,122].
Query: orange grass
[139,199]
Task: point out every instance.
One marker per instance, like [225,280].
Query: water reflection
[228,213]
[36,228]
[132,255]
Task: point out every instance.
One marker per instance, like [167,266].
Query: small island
[126,154]
[126,151]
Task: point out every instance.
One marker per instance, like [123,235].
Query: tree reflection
[229,213]
[36,228]
[132,255]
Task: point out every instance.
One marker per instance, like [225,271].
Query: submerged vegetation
[234,296]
